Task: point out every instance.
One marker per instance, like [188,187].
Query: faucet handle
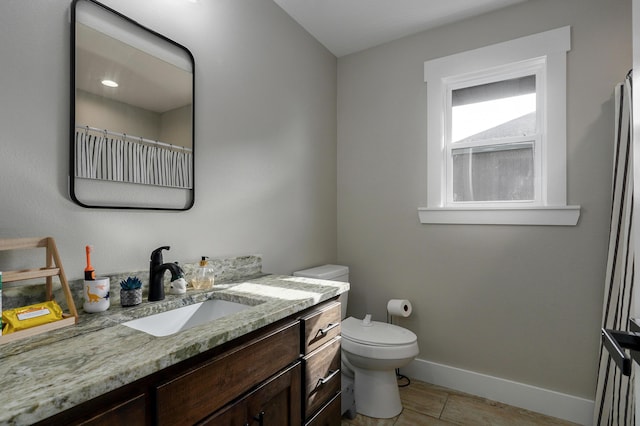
[179,273]
[156,255]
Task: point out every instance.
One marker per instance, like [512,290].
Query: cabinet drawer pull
[324,380]
[324,331]
[259,418]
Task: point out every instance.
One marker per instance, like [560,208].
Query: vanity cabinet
[320,327]
[208,387]
[286,373]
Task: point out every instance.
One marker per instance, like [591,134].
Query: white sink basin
[180,319]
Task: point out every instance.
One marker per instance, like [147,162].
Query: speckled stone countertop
[43,375]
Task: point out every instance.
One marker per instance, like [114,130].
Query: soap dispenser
[203,277]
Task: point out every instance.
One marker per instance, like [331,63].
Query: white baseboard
[544,401]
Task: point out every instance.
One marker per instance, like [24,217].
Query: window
[492,139]
[497,134]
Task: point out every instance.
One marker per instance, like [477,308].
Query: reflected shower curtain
[99,156]
[614,402]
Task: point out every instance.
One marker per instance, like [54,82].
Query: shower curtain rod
[132,138]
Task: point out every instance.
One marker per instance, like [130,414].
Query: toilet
[371,353]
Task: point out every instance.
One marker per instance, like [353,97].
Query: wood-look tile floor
[431,405]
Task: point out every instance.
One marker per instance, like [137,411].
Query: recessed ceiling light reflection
[109,83]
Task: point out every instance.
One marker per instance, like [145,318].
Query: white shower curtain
[614,402]
[99,156]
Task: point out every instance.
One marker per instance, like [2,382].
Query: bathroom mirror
[132,97]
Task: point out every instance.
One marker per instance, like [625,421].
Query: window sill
[541,215]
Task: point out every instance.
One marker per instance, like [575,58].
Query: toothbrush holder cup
[96,294]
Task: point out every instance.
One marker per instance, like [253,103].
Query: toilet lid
[378,334]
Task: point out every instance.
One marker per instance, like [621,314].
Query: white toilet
[371,352]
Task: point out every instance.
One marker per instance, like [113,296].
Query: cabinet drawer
[199,392]
[132,411]
[320,325]
[322,375]
[329,415]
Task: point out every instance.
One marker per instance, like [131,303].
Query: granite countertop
[43,375]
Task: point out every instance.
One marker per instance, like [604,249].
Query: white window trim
[552,209]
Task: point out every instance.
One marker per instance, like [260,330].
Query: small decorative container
[130,292]
[130,297]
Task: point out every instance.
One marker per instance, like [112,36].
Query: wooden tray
[52,268]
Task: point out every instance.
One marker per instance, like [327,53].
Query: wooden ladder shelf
[52,269]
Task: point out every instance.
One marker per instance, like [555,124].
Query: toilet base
[377,394]
[348,399]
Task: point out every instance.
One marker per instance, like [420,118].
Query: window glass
[493,141]
[494,110]
[494,173]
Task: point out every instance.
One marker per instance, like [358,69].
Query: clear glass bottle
[203,277]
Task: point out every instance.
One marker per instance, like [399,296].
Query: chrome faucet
[156,274]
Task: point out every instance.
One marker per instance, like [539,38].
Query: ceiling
[348,26]
[145,80]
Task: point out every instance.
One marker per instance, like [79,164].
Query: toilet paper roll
[399,307]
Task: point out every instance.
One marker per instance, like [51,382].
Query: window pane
[494,173]
[494,110]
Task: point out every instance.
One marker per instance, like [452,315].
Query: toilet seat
[380,352]
[376,334]
[379,341]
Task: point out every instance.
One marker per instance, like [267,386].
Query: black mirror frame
[72,158]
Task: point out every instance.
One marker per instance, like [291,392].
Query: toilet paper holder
[616,341]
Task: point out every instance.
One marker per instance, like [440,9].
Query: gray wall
[517,302]
[265,133]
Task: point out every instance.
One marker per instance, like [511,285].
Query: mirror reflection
[132,112]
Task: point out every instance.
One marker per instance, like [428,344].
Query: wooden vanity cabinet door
[233,415]
[278,401]
[206,388]
[274,403]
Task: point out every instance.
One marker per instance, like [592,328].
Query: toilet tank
[331,273]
